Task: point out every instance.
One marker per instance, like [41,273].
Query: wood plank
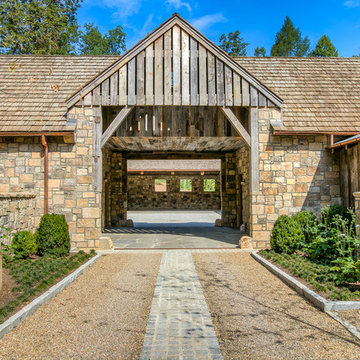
[131,82]
[185,68]
[114,79]
[193,72]
[254,151]
[220,120]
[228,87]
[237,89]
[96,99]
[149,81]
[203,96]
[254,96]
[236,124]
[120,117]
[220,82]
[176,66]
[159,75]
[122,85]
[245,92]
[262,100]
[167,69]
[105,92]
[157,120]
[140,79]
[211,75]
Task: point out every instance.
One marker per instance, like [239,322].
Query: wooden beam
[120,117]
[237,125]
[254,150]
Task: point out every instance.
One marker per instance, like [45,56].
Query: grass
[34,276]
[317,275]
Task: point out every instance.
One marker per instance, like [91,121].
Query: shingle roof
[33,89]
[320,94]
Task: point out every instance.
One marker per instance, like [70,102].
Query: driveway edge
[301,289]
[29,309]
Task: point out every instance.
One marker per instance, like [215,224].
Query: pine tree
[38,26]
[289,41]
[233,44]
[260,51]
[324,48]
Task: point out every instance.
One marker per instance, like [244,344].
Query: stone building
[70,124]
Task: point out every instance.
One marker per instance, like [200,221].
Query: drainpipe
[46,174]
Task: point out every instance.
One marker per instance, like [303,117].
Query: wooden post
[46,174]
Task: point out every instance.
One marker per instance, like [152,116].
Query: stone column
[228,190]
[118,190]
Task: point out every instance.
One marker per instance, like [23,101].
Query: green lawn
[34,276]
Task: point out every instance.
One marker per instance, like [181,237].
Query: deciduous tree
[38,26]
[233,44]
[260,51]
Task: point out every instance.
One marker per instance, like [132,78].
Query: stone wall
[296,173]
[71,177]
[142,195]
[17,212]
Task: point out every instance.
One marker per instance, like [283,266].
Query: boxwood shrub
[52,236]
[308,223]
[287,235]
[23,244]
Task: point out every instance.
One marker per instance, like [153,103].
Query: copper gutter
[286,132]
[344,143]
[38,133]
[46,174]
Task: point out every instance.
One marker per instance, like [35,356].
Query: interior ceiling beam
[237,125]
[119,118]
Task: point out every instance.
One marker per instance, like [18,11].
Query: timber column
[118,186]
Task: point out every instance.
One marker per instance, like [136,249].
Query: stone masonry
[142,194]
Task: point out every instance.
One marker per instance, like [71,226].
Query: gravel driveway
[102,315]
[256,316]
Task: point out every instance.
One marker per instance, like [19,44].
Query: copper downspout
[46,174]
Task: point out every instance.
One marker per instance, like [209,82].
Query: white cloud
[177,4]
[206,21]
[352,3]
[122,8]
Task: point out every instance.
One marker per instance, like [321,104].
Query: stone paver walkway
[180,325]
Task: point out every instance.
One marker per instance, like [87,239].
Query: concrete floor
[174,229]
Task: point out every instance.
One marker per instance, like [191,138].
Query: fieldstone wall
[296,173]
[17,212]
[243,186]
[142,195]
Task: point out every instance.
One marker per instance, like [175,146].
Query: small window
[209,185]
[160,185]
[185,185]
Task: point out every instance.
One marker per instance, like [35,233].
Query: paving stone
[183,325]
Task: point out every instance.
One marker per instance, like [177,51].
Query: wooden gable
[175,65]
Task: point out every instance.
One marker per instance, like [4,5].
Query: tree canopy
[233,44]
[38,26]
[92,42]
[324,48]
[289,41]
[260,51]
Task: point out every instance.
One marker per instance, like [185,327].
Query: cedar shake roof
[320,94]
[33,89]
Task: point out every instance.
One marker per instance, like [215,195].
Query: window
[160,185]
[185,185]
[209,185]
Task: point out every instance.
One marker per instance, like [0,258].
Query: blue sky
[258,21]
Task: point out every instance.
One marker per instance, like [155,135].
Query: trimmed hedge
[308,223]
[287,235]
[52,236]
